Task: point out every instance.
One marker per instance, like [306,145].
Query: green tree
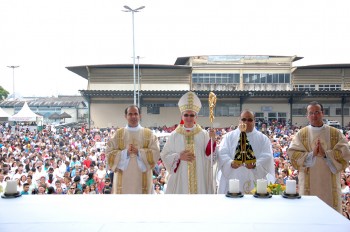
[3,93]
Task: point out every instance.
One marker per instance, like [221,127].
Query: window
[304,87]
[269,78]
[338,111]
[329,87]
[153,109]
[275,78]
[287,78]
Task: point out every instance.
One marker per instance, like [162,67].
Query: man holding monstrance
[245,154]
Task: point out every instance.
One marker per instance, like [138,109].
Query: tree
[3,93]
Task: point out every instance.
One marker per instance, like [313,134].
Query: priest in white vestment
[188,152]
[320,152]
[246,173]
[132,153]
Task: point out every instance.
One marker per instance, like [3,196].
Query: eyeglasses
[189,115]
[314,113]
[72,188]
[247,119]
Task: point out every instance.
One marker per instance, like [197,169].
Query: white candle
[233,186]
[11,187]
[291,187]
[261,186]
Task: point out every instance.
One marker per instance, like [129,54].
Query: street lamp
[13,79]
[138,80]
[128,9]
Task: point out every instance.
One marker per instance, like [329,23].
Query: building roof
[324,66]
[219,94]
[184,60]
[60,101]
[83,71]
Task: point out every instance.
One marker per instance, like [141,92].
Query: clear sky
[45,36]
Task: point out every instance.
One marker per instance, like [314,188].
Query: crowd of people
[75,161]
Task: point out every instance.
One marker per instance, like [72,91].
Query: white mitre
[190,101]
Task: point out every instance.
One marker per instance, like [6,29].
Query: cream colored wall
[163,87]
[275,107]
[168,116]
[107,115]
[110,86]
[144,87]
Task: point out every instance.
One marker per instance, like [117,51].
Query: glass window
[256,78]
[263,78]
[194,78]
[275,78]
[245,78]
[236,78]
[230,78]
[206,78]
[281,78]
[269,78]
[287,78]
[212,78]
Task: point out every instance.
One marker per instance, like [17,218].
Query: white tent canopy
[26,115]
[4,114]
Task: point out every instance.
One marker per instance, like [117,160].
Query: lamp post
[138,80]
[128,9]
[13,79]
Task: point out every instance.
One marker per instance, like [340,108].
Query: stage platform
[180,213]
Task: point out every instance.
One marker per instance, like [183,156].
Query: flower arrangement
[276,189]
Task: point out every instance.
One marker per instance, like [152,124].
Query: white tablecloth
[216,213]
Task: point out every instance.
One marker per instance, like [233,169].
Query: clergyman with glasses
[187,152]
[245,154]
[319,152]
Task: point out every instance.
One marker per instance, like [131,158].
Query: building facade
[75,108]
[272,86]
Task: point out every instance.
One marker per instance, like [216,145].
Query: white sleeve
[124,160]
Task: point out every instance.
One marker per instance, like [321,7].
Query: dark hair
[127,108]
[315,103]
[50,190]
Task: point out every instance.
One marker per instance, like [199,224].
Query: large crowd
[73,160]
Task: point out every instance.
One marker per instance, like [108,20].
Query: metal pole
[133,55]
[138,81]
[13,79]
[133,44]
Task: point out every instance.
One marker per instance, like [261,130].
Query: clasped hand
[187,155]
[318,149]
[249,166]
[132,149]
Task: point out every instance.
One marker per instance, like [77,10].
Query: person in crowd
[32,185]
[86,189]
[158,189]
[346,211]
[132,153]
[107,189]
[25,190]
[59,191]
[42,189]
[93,189]
[320,152]
[259,162]
[187,153]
